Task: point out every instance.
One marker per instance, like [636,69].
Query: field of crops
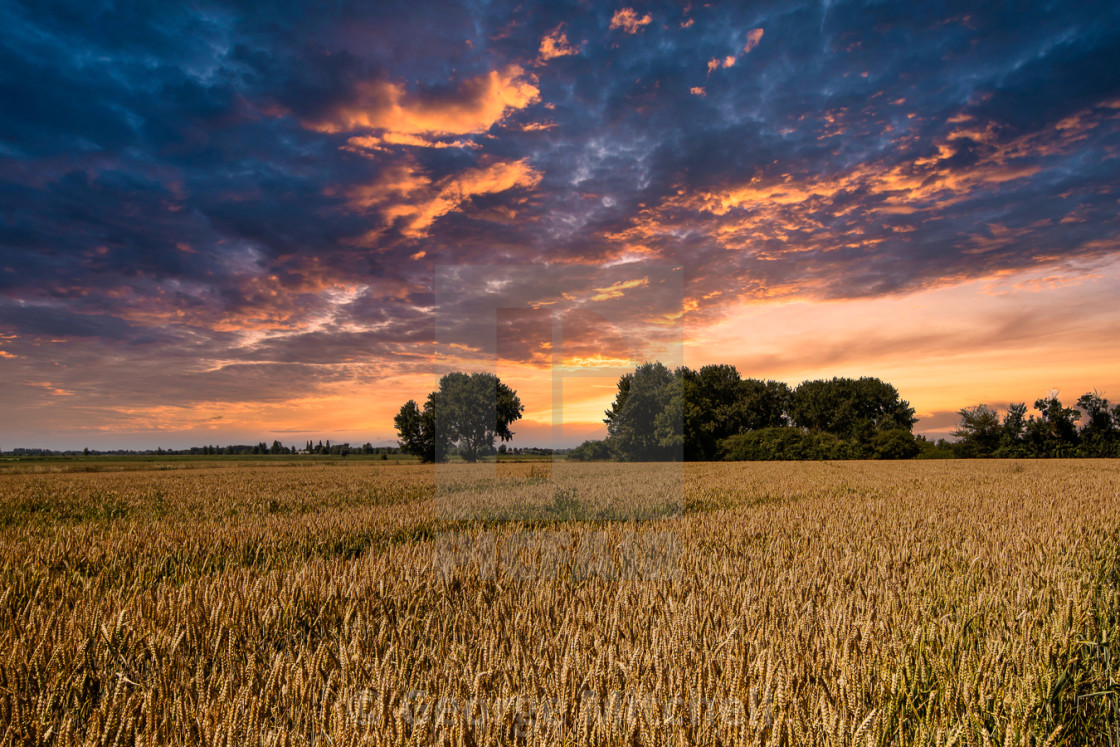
[927,603]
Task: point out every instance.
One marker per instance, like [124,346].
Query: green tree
[896,443]
[1099,435]
[590,451]
[467,411]
[1012,438]
[472,410]
[785,444]
[763,404]
[644,422]
[941,449]
[718,403]
[416,429]
[979,431]
[708,415]
[853,409]
[1054,432]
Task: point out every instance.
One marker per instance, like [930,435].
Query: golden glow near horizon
[1008,337]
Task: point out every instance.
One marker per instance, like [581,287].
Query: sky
[229,223]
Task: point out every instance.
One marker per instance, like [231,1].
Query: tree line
[663,414]
[671,415]
[660,414]
[1053,432]
[262,448]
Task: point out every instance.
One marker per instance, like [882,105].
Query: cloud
[628,20]
[717,63]
[373,143]
[754,36]
[473,107]
[555,44]
[412,198]
[618,290]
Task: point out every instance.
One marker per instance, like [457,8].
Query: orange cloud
[55,391]
[364,143]
[754,36]
[697,91]
[449,194]
[556,44]
[617,290]
[921,184]
[478,104]
[627,20]
[783,215]
[715,63]
[401,180]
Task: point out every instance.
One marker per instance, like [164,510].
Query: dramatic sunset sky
[229,223]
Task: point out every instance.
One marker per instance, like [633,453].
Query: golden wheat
[929,603]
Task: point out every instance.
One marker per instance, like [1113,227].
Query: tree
[941,449]
[1054,432]
[717,403]
[784,443]
[644,422]
[710,398]
[417,431]
[590,451]
[979,431]
[467,411]
[1013,432]
[895,443]
[1099,435]
[853,409]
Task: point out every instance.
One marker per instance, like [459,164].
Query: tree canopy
[1053,432]
[466,413]
[718,403]
[854,409]
[663,414]
[715,413]
[644,422]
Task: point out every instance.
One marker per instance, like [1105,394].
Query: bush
[941,449]
[894,444]
[590,451]
[785,444]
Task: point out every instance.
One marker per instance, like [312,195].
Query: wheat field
[855,603]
